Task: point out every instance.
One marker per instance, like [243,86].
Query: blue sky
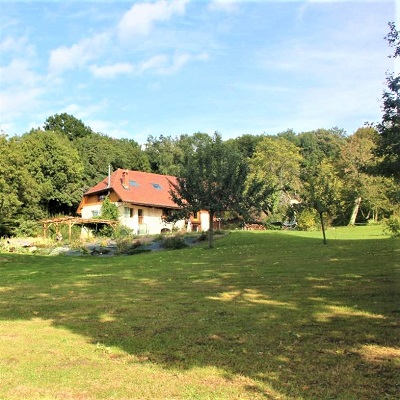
[130,69]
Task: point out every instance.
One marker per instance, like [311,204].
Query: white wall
[152,221]
[205,221]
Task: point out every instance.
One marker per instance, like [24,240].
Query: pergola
[71,221]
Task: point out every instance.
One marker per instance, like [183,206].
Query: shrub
[203,236]
[173,242]
[307,220]
[392,226]
[27,228]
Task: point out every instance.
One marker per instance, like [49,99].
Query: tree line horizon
[350,178]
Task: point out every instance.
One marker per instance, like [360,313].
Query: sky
[131,69]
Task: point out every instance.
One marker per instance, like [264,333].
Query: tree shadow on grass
[296,317]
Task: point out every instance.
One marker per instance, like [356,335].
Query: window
[126,212]
[95,213]
[102,197]
[133,183]
[157,186]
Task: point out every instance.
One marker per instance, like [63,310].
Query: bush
[392,226]
[203,236]
[27,228]
[307,220]
[174,242]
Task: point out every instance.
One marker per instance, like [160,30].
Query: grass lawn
[263,315]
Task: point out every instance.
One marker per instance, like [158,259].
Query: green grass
[263,315]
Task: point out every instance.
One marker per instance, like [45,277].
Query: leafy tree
[214,179]
[322,190]
[57,169]
[320,144]
[357,160]
[9,187]
[98,151]
[109,210]
[247,144]
[67,124]
[389,128]
[18,190]
[164,154]
[274,167]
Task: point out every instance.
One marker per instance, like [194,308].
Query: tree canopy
[213,178]
[389,127]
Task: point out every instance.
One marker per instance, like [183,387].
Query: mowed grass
[263,315]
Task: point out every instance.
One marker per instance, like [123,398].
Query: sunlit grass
[263,315]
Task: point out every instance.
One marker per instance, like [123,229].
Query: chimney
[125,180]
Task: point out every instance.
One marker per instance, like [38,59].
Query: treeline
[45,172]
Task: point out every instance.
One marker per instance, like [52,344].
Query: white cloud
[154,63]
[164,65]
[139,20]
[16,102]
[18,73]
[17,45]
[223,5]
[111,71]
[79,54]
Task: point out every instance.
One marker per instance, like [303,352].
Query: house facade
[143,202]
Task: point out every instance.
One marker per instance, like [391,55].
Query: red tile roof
[138,187]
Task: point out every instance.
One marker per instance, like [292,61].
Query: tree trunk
[354,213]
[322,226]
[211,230]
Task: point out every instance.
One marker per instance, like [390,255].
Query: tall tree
[164,154]
[320,144]
[389,128]
[18,190]
[213,178]
[56,167]
[356,162]
[275,167]
[67,124]
[247,144]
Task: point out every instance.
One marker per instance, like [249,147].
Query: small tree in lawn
[214,179]
[323,188]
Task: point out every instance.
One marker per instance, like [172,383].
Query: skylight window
[157,186]
[133,183]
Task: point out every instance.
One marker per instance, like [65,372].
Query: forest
[351,178]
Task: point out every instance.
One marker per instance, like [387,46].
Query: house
[143,201]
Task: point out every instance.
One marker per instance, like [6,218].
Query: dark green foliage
[56,167]
[213,179]
[393,226]
[173,242]
[247,144]
[389,128]
[69,125]
[109,210]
